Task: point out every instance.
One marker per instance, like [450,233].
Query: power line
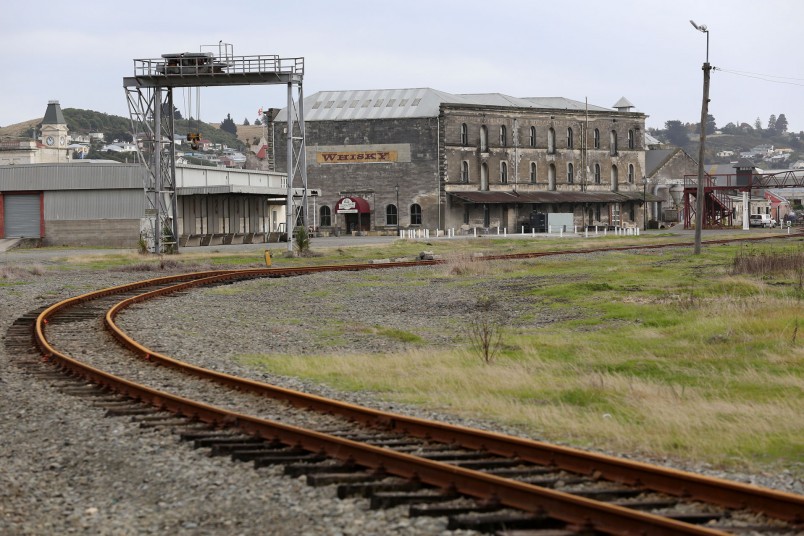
[764,77]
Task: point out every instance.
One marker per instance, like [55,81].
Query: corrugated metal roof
[562,103]
[497,99]
[418,102]
[73,176]
[373,104]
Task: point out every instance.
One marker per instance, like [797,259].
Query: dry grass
[660,363]
[20,272]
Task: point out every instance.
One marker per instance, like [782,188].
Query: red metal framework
[719,210]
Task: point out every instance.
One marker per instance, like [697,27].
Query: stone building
[50,148]
[420,158]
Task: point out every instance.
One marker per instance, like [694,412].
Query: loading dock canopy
[497,198]
[352,205]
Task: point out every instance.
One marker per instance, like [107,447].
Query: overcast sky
[644,50]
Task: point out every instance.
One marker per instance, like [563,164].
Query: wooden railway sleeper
[507,520]
[390,499]
[367,489]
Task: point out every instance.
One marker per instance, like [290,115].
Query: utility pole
[699,199]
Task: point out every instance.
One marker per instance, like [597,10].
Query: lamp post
[397,209]
[699,201]
[644,203]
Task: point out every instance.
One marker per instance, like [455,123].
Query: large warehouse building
[386,160]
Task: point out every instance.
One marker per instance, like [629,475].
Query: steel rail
[777,504]
[784,506]
[569,508]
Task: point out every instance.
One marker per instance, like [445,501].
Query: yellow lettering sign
[372,157]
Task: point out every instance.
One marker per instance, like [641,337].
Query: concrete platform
[9,243]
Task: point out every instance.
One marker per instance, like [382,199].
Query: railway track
[480,479]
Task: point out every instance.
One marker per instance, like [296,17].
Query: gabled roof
[562,103]
[416,102]
[656,158]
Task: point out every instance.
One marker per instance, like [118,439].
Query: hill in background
[115,127]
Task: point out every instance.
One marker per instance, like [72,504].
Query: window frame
[570,173]
[325,217]
[570,138]
[415,214]
[464,135]
[503,172]
[391,215]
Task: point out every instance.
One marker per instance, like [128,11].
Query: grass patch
[663,353]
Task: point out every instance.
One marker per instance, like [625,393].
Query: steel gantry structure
[150,101]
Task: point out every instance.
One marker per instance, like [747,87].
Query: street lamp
[699,205]
[644,203]
[397,209]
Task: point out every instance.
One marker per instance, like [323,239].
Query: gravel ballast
[64,468]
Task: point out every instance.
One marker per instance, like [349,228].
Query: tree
[730,128]
[229,126]
[781,123]
[676,133]
[176,112]
[758,124]
[772,123]
[710,124]
[245,122]
[257,122]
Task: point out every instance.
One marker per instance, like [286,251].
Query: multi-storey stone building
[420,158]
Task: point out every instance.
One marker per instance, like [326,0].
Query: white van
[761,220]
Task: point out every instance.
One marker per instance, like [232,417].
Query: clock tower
[54,127]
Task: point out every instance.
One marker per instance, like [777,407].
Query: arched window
[597,138]
[551,177]
[391,215]
[597,173]
[464,135]
[613,143]
[533,172]
[570,173]
[484,139]
[504,172]
[324,216]
[415,214]
[503,136]
[551,141]
[631,139]
[484,177]
[570,141]
[464,171]
[631,173]
[532,136]
[614,179]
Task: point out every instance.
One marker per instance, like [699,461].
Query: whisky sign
[362,157]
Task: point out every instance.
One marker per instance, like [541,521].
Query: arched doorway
[356,212]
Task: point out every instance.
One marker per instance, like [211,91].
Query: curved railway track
[396,459]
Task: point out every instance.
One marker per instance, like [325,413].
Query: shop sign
[346,206]
[368,157]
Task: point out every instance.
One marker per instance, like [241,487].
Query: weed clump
[760,263]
